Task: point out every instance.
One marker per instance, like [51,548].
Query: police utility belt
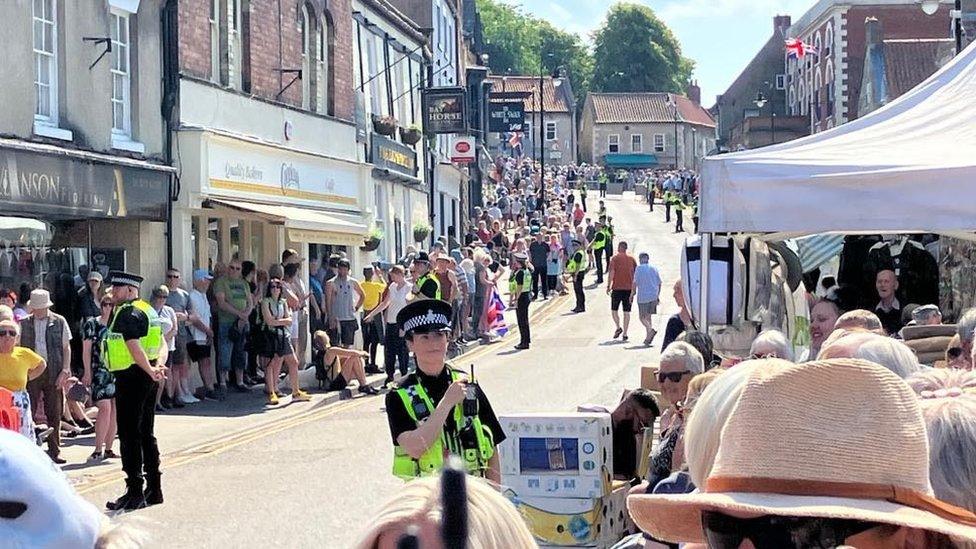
[116,353]
[473,442]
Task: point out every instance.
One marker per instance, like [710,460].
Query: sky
[721,36]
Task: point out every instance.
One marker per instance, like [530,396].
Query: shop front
[62,211]
[401,196]
[252,200]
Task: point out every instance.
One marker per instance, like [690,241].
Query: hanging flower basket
[411,135]
[384,125]
[421,231]
[372,240]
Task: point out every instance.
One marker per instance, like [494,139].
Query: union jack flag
[799,49]
[515,141]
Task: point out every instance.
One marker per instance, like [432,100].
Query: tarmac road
[315,480]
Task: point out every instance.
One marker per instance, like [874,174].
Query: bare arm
[86,346]
[381,307]
[360,296]
[416,442]
[37,370]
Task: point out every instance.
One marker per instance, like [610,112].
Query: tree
[636,52]
[518,44]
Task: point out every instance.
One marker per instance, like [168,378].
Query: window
[121,84]
[613,143]
[323,102]
[636,142]
[550,131]
[659,142]
[308,49]
[828,41]
[46,62]
[380,218]
[215,40]
[780,81]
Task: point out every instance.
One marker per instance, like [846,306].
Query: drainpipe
[169,26]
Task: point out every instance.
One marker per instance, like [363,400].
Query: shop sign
[281,176]
[462,150]
[508,116]
[37,183]
[392,155]
[444,110]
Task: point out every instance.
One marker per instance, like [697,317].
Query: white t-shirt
[200,307]
[398,300]
[167,318]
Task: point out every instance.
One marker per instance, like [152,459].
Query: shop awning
[305,224]
[630,160]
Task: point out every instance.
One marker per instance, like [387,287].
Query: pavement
[311,474]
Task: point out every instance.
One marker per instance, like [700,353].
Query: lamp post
[673,102]
[540,205]
[760,102]
[694,148]
[932,6]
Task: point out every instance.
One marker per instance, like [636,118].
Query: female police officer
[436,411]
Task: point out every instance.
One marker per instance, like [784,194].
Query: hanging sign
[462,150]
[508,116]
[444,110]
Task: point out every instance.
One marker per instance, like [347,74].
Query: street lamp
[929,7]
[694,148]
[760,102]
[673,103]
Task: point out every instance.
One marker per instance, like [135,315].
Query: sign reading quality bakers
[444,110]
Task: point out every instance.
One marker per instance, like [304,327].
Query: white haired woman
[948,400]
[890,353]
[493,522]
[771,344]
[678,364]
[18,365]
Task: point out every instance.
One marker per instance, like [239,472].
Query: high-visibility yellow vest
[599,240]
[422,280]
[578,262]
[474,455]
[114,350]
[514,289]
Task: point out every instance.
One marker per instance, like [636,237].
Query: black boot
[154,490]
[132,498]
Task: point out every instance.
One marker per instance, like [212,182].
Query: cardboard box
[567,455]
[577,522]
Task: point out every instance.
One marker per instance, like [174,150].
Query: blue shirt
[648,283]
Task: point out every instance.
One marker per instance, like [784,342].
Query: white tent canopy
[907,167]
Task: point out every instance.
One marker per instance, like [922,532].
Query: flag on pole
[799,49]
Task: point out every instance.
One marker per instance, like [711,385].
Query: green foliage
[637,52]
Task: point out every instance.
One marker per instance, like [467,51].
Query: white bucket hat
[840,439]
[39,299]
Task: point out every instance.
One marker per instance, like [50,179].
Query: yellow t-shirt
[14,367]
[372,293]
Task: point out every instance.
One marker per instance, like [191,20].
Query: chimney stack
[694,92]
[781,23]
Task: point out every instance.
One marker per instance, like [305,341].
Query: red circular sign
[462,146]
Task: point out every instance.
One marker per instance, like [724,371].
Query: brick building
[264,116]
[826,88]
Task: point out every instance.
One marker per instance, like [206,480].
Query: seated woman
[679,363]
[346,363]
[18,365]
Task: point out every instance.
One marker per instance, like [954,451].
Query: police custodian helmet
[424,316]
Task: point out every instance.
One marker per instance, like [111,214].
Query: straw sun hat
[840,438]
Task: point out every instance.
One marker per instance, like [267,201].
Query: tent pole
[706,259]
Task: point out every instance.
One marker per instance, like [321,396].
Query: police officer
[597,245]
[436,411]
[134,351]
[425,285]
[576,269]
[520,295]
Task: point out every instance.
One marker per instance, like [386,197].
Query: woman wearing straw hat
[810,458]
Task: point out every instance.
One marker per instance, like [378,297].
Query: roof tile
[909,62]
[618,108]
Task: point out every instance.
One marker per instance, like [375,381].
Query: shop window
[440,209]
[380,217]
[398,234]
[235,239]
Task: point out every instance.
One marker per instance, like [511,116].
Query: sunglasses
[673,377]
[273,286]
[773,532]
[8,333]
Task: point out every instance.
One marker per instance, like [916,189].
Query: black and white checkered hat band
[122,280]
[429,319]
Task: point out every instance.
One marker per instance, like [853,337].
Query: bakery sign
[280,176]
[444,110]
